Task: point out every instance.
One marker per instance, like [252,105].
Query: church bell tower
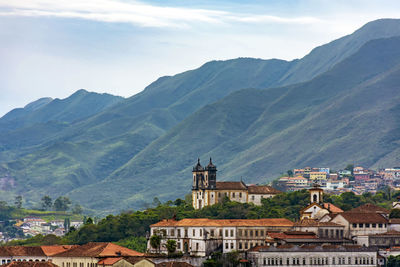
[316,193]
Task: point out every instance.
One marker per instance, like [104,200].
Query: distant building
[206,191]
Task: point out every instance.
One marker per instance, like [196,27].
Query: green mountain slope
[258,133]
[72,151]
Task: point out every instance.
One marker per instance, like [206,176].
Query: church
[206,191]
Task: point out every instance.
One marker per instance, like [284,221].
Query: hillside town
[352,179]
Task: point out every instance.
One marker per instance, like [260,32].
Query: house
[327,230]
[29,264]
[201,237]
[90,254]
[317,209]
[206,191]
[311,255]
[318,176]
[384,240]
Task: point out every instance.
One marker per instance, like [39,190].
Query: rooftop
[369,208]
[29,264]
[354,217]
[262,189]
[224,222]
[98,249]
[231,186]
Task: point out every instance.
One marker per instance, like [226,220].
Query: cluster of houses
[32,226]
[94,254]
[359,180]
[324,235]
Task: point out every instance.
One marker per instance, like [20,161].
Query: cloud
[136,13]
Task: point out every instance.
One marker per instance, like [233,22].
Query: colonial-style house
[206,191]
[201,237]
[30,254]
[317,209]
[126,262]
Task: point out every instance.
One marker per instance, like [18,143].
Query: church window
[212,195]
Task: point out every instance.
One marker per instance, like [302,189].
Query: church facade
[206,191]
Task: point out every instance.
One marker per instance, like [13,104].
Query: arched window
[314,198]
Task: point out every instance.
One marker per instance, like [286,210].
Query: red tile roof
[262,189]
[52,250]
[98,249]
[292,235]
[369,208]
[353,217]
[310,222]
[109,261]
[21,251]
[224,222]
[332,208]
[231,186]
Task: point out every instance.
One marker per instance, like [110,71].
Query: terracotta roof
[174,264]
[135,260]
[369,208]
[292,235]
[109,261]
[97,249]
[29,264]
[21,251]
[389,233]
[311,222]
[52,250]
[225,222]
[231,186]
[332,208]
[262,189]
[353,217]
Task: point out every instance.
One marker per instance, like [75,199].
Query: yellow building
[206,191]
[317,176]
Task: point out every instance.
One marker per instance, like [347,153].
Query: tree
[290,173]
[394,213]
[18,202]
[47,202]
[89,221]
[155,242]
[171,246]
[350,167]
[62,204]
[67,224]
[77,209]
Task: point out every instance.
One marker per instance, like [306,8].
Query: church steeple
[316,193]
[211,175]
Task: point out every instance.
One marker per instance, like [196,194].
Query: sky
[51,48]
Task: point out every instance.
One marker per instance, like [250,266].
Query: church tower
[211,175]
[198,176]
[316,193]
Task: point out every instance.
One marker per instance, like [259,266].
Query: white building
[201,237]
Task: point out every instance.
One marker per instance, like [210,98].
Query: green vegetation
[393,261]
[88,142]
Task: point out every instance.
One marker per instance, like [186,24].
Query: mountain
[139,146]
[259,133]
